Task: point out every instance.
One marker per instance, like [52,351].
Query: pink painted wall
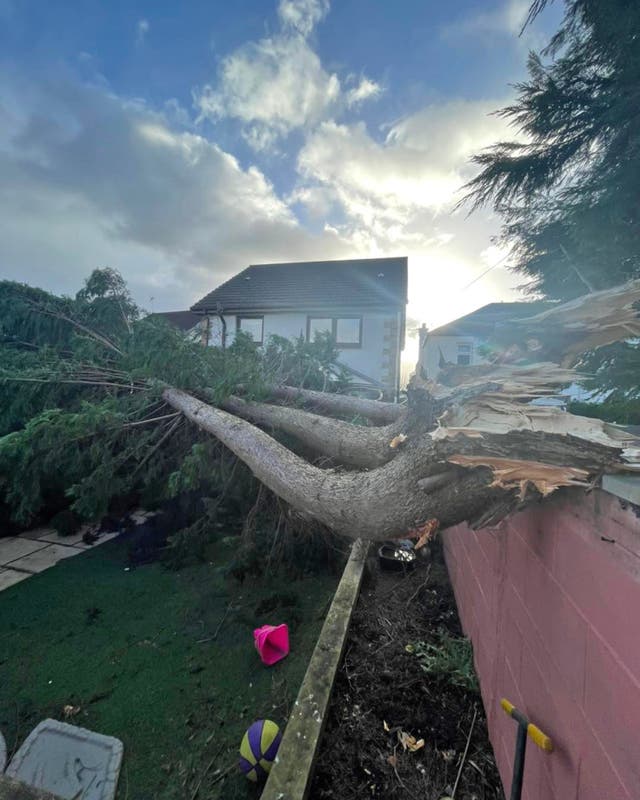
[553,612]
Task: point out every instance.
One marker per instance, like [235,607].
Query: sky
[181,142]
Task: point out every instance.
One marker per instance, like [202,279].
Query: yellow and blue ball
[259,748]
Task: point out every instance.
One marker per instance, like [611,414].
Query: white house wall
[378,358]
[447,347]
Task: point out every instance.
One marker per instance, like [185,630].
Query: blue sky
[180,142]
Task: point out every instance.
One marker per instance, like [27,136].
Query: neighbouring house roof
[483,321]
[184,320]
[312,285]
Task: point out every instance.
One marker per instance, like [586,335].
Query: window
[464,354]
[317,325]
[347,331]
[252,325]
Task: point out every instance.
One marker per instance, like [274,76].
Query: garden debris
[410,742]
[410,703]
[69,711]
[397,441]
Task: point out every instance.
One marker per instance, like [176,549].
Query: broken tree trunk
[472,450]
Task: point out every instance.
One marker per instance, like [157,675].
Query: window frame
[468,355]
[334,329]
[240,317]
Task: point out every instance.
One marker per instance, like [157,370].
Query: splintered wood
[511,474]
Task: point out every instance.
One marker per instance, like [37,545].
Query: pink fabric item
[272,642]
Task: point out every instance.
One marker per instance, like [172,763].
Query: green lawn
[127,647]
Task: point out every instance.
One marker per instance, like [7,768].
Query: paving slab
[44,558]
[10,576]
[15,547]
[68,761]
[53,537]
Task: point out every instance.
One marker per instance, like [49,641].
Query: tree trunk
[344,405]
[471,450]
[352,445]
[493,474]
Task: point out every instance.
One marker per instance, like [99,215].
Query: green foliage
[82,421]
[450,658]
[622,412]
[567,189]
[65,522]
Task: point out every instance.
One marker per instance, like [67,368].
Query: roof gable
[310,285]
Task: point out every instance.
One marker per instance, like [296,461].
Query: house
[361,302]
[185,321]
[461,341]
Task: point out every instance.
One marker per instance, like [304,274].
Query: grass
[162,660]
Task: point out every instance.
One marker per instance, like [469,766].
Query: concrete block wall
[551,602]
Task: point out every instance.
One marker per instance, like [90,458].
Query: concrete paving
[34,551]
[8,577]
[15,547]
[43,559]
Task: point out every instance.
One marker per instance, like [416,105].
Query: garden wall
[551,602]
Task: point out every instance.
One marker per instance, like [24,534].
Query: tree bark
[342,404]
[494,474]
[343,442]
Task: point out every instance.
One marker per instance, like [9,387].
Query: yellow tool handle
[537,736]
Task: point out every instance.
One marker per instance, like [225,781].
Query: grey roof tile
[313,285]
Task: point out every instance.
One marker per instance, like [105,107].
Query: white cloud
[272,86]
[302,15]
[365,90]
[89,179]
[142,29]
[397,196]
[507,18]
[278,84]
[421,164]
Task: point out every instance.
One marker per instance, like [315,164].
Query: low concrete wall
[551,602]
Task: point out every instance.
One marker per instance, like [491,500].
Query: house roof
[483,321]
[312,285]
[184,320]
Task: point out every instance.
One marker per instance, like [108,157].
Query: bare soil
[382,690]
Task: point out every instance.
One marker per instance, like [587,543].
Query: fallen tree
[471,449]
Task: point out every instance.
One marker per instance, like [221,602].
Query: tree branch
[343,442]
[373,410]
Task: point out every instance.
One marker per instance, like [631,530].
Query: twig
[159,444]
[206,769]
[222,775]
[421,587]
[152,419]
[217,630]
[464,755]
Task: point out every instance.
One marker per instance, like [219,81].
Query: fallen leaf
[385,726]
[397,441]
[409,742]
[393,760]
[70,711]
